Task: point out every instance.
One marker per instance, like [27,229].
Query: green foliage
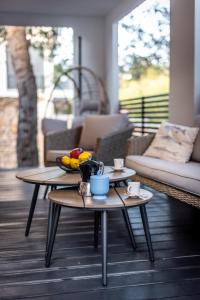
[61,68]
[148,46]
[43,38]
[152,83]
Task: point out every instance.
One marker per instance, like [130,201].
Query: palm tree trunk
[27,153]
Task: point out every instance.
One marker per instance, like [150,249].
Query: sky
[148,21]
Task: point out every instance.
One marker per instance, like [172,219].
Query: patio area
[124,135]
[75,272]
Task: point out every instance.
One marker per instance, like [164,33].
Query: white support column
[197,63]
[184,62]
[112,65]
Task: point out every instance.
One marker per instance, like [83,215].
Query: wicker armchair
[55,141]
[136,147]
[106,148]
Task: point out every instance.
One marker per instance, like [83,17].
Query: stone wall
[8,132]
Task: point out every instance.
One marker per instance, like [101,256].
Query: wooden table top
[56,176]
[116,199]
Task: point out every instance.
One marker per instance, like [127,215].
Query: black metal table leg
[56,215]
[50,222]
[125,182]
[97,217]
[32,208]
[116,184]
[104,246]
[129,227]
[45,192]
[146,230]
[50,219]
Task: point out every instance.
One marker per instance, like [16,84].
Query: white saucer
[144,195]
[118,169]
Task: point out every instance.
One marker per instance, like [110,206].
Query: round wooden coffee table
[54,176]
[116,199]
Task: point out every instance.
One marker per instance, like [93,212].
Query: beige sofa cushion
[185,176]
[99,126]
[173,142]
[196,150]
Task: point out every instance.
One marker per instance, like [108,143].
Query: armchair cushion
[99,126]
[185,176]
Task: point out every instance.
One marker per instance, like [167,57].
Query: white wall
[92,31]
[184,62]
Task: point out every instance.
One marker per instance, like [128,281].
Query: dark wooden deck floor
[75,273]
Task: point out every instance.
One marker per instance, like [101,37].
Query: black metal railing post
[142,115]
[147,112]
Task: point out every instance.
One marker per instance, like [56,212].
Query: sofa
[105,136]
[179,180]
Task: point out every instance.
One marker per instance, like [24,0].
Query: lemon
[65,160]
[84,156]
[74,163]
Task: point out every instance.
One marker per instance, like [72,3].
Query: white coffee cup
[133,188]
[118,163]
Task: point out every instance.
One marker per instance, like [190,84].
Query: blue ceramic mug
[99,186]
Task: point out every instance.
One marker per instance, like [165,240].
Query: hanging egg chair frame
[78,99]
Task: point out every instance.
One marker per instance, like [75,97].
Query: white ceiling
[60,7]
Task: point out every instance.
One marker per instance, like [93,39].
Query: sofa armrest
[137,145]
[113,146]
[66,139]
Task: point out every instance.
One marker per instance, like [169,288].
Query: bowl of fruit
[70,163]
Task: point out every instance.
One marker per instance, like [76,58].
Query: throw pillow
[173,142]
